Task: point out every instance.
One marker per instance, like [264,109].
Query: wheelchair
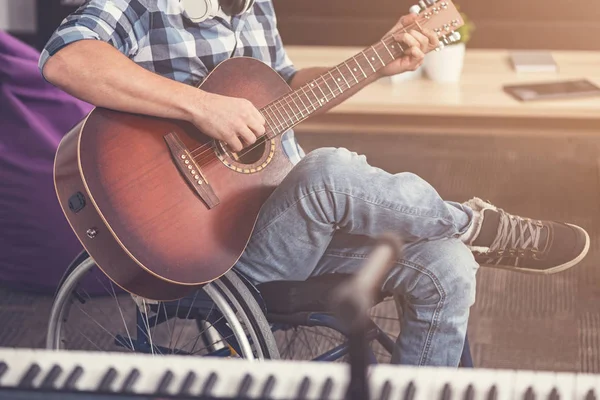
[229,317]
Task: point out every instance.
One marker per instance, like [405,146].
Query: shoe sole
[553,270]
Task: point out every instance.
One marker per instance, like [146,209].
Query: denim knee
[447,274]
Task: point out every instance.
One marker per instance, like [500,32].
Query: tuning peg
[431,2]
[440,46]
[422,5]
[456,36]
[416,9]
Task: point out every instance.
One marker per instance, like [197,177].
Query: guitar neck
[298,105]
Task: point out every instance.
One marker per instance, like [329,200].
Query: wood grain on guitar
[163,227]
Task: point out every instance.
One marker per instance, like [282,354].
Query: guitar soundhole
[250,154]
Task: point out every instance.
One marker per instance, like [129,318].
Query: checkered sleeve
[283,64]
[117,22]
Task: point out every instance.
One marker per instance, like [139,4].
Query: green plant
[467,29]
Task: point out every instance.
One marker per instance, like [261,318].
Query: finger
[234,143]
[407,39]
[434,41]
[413,56]
[407,20]
[416,54]
[246,135]
[422,39]
[260,118]
[257,128]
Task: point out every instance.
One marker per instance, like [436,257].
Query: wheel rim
[228,317]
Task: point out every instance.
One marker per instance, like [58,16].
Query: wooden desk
[475,105]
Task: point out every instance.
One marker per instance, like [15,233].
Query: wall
[544,24]
[18,16]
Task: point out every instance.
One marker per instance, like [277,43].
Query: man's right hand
[232,120]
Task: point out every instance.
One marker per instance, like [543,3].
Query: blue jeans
[323,218]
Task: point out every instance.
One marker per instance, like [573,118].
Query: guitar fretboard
[298,105]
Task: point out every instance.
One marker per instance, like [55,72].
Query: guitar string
[284,127]
[300,115]
[210,146]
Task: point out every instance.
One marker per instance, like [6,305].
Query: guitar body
[125,190]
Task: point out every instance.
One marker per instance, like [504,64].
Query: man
[323,216]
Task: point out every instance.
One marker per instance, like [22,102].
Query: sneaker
[525,245]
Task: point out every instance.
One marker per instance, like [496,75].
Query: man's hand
[232,120]
[416,44]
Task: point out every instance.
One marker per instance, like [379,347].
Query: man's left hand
[416,44]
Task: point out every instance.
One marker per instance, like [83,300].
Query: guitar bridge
[191,171]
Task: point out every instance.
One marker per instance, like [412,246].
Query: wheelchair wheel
[319,336]
[221,319]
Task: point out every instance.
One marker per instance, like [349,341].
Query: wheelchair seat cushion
[312,295]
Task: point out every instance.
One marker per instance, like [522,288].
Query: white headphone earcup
[249,5]
[200,10]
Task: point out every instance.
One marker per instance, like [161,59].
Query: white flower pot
[445,65]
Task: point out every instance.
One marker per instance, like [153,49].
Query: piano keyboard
[133,375]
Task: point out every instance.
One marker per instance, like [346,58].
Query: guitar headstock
[442,17]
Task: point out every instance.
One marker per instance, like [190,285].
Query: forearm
[308,74]
[117,82]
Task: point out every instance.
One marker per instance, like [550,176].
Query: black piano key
[130,381]
[245,386]
[268,388]
[165,382]
[107,380]
[409,393]
[3,368]
[386,391]
[446,392]
[591,395]
[27,379]
[554,395]
[529,394]
[72,379]
[493,393]
[189,380]
[326,390]
[303,390]
[209,384]
[50,378]
[470,393]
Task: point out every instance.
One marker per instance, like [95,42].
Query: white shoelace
[516,233]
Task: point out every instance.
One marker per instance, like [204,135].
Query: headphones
[201,10]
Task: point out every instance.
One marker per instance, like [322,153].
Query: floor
[518,321]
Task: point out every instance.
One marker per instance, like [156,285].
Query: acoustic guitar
[163,209]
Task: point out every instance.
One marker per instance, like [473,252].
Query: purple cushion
[36,242]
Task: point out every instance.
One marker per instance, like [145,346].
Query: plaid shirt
[158,36]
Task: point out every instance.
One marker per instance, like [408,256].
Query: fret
[293,106]
[399,45]
[388,50]
[359,66]
[289,118]
[279,123]
[343,77]
[349,69]
[292,97]
[302,101]
[336,82]
[270,120]
[367,58]
[269,123]
[307,98]
[378,56]
[331,91]
[311,86]
[321,102]
[298,105]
